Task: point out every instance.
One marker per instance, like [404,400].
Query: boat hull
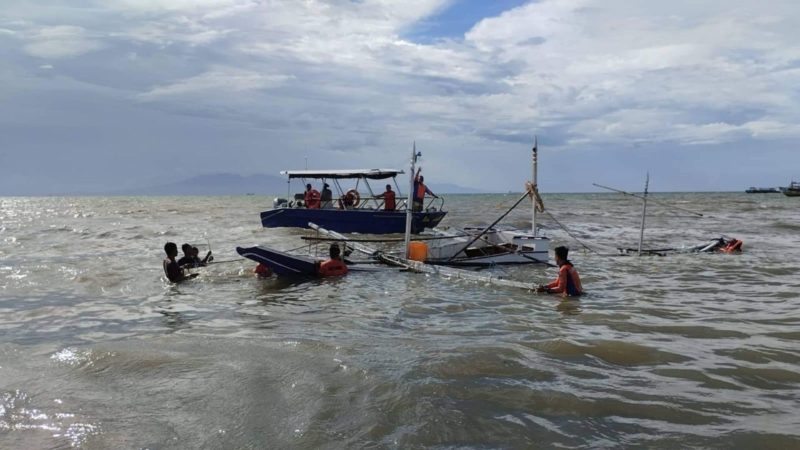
[495,248]
[282,264]
[365,221]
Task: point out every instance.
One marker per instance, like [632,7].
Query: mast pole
[644,212]
[533,197]
[410,198]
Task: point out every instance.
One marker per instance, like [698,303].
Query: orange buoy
[417,251]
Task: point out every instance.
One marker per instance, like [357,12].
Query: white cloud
[218,80]
[585,73]
[61,41]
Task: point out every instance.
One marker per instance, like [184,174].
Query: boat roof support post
[372,194]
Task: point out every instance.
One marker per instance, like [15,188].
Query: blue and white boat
[364,213]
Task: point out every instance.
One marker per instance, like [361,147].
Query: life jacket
[262,270]
[734,246]
[389,201]
[419,191]
[312,199]
[573,287]
[332,268]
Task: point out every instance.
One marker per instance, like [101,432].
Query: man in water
[172,270]
[568,283]
[334,266]
[186,260]
[388,198]
[419,192]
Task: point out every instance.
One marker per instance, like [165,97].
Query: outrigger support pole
[533,197]
[486,230]
[410,200]
[644,213]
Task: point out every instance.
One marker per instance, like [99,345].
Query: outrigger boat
[365,215]
[722,244]
[491,246]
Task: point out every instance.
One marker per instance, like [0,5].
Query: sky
[99,95]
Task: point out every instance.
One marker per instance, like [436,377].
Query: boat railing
[432,207]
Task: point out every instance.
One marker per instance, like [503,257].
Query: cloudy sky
[124,93]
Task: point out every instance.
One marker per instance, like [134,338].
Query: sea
[688,350]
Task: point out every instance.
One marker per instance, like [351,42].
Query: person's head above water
[334,251]
[561,253]
[186,249]
[171,249]
[195,251]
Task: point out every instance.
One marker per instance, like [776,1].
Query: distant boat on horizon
[762,190]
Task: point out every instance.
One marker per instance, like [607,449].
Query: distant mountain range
[232,184]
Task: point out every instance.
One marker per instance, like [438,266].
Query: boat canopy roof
[372,174]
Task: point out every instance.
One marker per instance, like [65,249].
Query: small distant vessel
[762,190]
[793,190]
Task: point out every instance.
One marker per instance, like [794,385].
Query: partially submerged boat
[493,245]
[363,212]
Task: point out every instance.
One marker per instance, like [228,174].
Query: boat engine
[279,203]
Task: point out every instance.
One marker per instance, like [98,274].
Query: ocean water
[690,350]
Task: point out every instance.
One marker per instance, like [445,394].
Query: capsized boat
[719,245]
[492,245]
[355,210]
[793,190]
[294,265]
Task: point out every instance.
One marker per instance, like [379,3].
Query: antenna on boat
[409,201]
[644,212]
[533,197]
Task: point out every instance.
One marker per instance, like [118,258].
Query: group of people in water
[314,199]
[175,270]
[567,284]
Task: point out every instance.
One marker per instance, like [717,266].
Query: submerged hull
[496,248]
[365,221]
[282,264]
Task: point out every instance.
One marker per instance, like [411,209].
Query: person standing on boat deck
[568,283]
[419,192]
[172,270]
[311,197]
[334,266]
[388,199]
[327,196]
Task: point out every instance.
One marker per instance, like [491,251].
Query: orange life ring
[350,198]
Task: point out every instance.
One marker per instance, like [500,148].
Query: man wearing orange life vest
[568,283]
[311,197]
[334,266]
[419,192]
[388,198]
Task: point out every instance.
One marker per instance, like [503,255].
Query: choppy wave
[98,351]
